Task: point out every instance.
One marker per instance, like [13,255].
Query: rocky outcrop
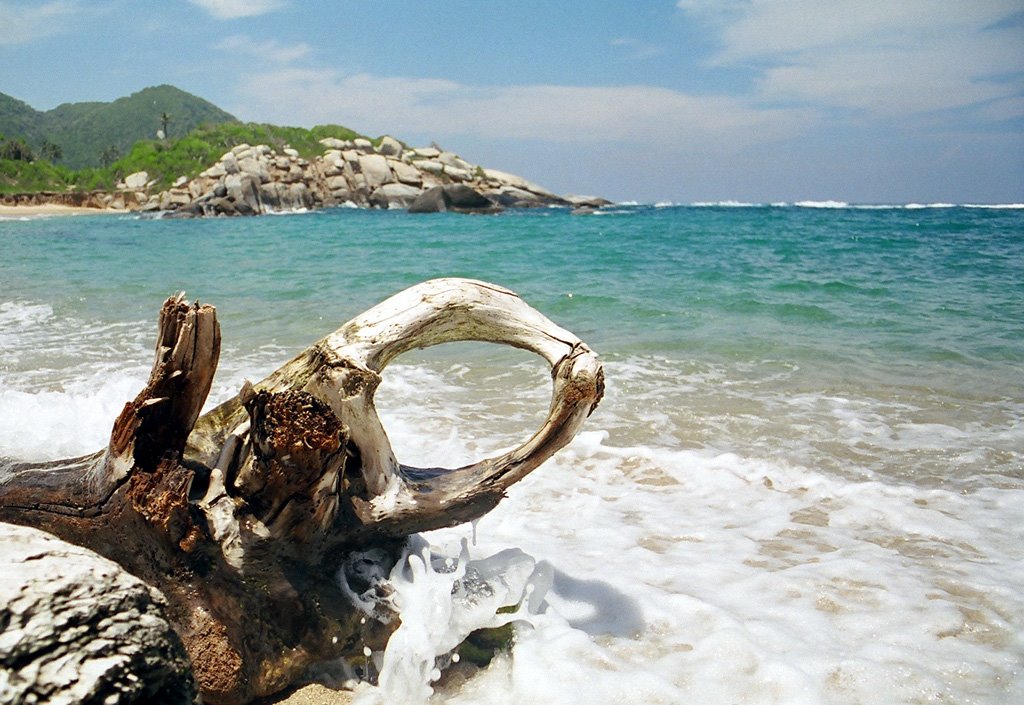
[250,180]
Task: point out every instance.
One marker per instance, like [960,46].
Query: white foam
[691,575]
[821,204]
[73,421]
[720,532]
[684,576]
[441,602]
[726,204]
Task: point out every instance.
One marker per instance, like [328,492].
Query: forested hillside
[95,134]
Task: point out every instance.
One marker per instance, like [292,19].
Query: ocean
[805,483]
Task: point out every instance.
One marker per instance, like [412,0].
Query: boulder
[229,163]
[519,182]
[351,158]
[406,173]
[197,187]
[393,196]
[243,192]
[376,170]
[78,628]
[432,200]
[577,201]
[332,163]
[136,181]
[174,198]
[430,166]
[254,167]
[453,197]
[427,152]
[270,196]
[463,197]
[242,151]
[337,182]
[299,196]
[456,174]
[390,147]
[335,143]
[451,159]
[512,197]
[362,144]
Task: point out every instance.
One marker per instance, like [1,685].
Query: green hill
[90,134]
[20,120]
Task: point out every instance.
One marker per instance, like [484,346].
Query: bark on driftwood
[242,516]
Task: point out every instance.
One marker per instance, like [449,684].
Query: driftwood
[242,517]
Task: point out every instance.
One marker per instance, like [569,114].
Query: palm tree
[164,120]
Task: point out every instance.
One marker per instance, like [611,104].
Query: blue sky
[871,101]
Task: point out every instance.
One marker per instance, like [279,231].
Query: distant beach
[49,209]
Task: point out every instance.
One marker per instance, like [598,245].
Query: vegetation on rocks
[23,170]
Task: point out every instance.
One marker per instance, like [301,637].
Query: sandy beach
[313,694]
[51,209]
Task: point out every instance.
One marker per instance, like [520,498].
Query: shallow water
[805,483]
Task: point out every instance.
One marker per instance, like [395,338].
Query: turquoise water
[846,288]
[821,409]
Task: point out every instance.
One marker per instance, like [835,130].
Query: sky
[865,101]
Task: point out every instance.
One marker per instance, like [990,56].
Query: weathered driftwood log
[242,517]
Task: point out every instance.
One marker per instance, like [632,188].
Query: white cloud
[233,9]
[23,23]
[641,116]
[271,49]
[636,49]
[885,58]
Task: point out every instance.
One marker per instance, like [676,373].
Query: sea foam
[694,575]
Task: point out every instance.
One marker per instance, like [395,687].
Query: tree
[165,119]
[51,151]
[110,155]
[17,149]
[241,517]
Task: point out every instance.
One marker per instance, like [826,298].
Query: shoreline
[48,209]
